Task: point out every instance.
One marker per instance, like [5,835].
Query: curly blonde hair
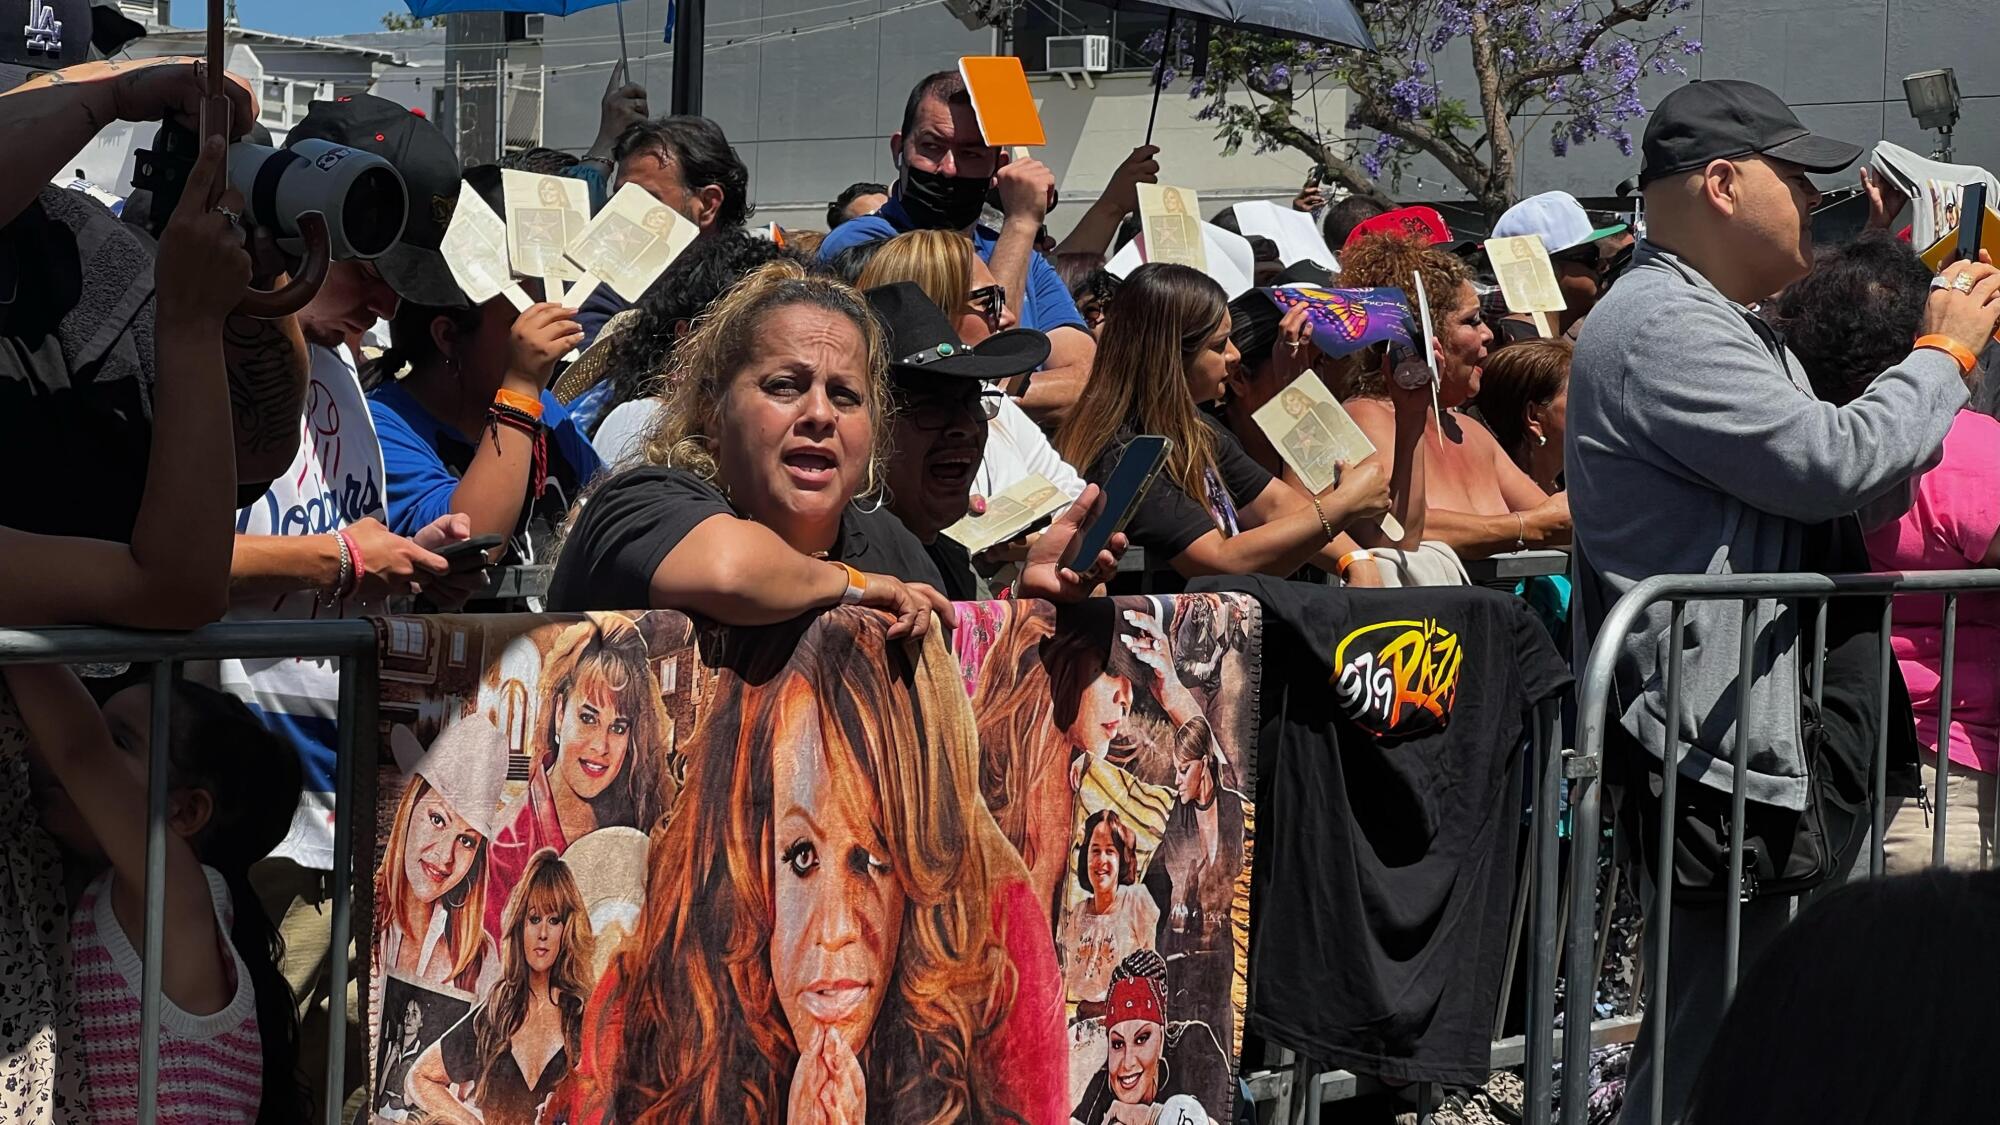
[728,337]
[1387,260]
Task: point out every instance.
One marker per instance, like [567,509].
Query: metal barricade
[353,642]
[1581,938]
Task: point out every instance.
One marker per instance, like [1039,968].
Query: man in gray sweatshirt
[1695,445]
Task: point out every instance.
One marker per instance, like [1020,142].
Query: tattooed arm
[268,366]
[52,116]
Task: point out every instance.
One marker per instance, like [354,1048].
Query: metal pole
[690,32]
[156,892]
[344,809]
[1660,926]
[1943,772]
[1160,73]
[500,107]
[1546,886]
[1878,792]
[1732,928]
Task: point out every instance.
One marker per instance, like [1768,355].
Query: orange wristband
[1965,359]
[525,404]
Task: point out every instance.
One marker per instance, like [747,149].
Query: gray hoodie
[1696,446]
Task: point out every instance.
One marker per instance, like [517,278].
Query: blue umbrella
[1324,21]
[538,7]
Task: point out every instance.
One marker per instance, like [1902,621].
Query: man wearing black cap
[1681,397]
[316,544]
[945,394]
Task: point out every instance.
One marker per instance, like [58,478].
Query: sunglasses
[990,302]
[937,411]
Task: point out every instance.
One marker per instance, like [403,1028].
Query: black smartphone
[1123,489]
[469,554]
[1971,223]
[1317,176]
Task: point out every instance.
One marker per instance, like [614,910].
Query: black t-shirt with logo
[1389,800]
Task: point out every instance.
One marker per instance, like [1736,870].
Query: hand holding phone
[468,554]
[1123,489]
[1971,223]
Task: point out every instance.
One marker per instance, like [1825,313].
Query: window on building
[1035,21]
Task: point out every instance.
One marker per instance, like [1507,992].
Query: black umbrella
[1337,22]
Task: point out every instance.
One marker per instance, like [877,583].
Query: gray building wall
[809,114]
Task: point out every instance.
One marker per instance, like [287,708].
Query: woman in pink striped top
[228,1038]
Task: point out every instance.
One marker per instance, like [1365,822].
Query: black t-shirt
[506,1098]
[634,520]
[1168,521]
[76,369]
[1382,914]
[954,566]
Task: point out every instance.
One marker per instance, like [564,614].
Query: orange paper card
[1000,99]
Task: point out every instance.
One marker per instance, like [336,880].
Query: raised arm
[72,740]
[174,574]
[52,116]
[494,487]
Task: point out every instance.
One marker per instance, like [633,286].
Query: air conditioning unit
[532,27]
[1079,54]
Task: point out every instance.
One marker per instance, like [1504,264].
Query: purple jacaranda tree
[1572,69]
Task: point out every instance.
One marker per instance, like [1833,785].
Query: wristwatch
[857,585]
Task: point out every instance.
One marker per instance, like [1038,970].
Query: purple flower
[1691,47]
[1281,75]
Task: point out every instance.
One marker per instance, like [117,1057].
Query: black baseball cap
[924,345]
[420,154]
[1724,118]
[45,34]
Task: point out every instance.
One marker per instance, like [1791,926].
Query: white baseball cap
[466,763]
[1557,217]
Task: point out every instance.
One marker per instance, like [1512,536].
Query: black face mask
[939,202]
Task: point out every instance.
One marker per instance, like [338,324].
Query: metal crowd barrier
[354,642]
[1582,940]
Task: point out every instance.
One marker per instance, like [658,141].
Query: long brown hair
[703,1038]
[465,928]
[608,652]
[1153,329]
[546,887]
[939,262]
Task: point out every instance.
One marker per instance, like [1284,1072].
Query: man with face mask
[946,169]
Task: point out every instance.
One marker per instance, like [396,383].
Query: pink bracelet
[360,568]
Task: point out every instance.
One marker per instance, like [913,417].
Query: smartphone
[1317,176]
[1123,489]
[1971,220]
[468,554]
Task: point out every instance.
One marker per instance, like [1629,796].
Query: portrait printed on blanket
[1116,740]
[701,876]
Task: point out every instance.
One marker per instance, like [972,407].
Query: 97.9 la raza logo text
[1398,677]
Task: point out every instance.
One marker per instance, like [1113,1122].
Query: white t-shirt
[335,480]
[623,431]
[1016,449]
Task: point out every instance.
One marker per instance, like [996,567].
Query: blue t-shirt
[1046,304]
[423,459]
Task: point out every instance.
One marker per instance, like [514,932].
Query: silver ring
[1295,345]
[235,220]
[1963,282]
[1940,282]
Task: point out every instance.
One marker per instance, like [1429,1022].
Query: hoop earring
[880,498]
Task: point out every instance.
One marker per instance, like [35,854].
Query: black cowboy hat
[922,342]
